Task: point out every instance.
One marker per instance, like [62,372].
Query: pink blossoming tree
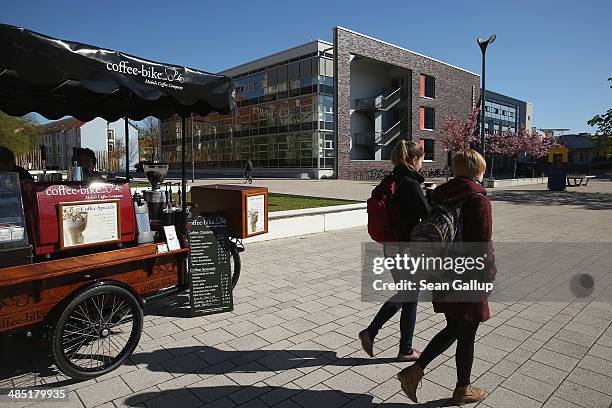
[460,135]
[525,141]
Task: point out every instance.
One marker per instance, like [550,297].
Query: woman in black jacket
[407,157]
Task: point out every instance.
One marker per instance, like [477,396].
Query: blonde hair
[468,163]
[405,151]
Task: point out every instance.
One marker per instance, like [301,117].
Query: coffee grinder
[156,199]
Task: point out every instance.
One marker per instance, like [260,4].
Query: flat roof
[293,52]
[405,49]
[276,57]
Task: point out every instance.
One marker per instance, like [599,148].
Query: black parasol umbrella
[58,78]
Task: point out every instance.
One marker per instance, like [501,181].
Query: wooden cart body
[30,295]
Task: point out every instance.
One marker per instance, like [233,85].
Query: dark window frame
[429,146]
[430,87]
[429,123]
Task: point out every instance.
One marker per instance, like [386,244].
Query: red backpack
[383,212]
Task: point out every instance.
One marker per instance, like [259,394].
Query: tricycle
[86,299]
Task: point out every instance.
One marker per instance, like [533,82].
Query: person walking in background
[248,172]
[407,157]
[462,318]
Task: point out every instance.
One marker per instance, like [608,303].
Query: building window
[427,116]
[429,146]
[428,86]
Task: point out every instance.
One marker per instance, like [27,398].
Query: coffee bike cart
[85,294]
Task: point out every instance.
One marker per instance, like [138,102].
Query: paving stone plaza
[292,339]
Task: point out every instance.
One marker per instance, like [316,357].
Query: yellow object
[563,151]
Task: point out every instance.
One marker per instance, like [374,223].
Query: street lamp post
[192,153]
[483,47]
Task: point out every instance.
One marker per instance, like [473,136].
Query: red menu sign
[42,202]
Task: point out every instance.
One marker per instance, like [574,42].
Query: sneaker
[410,378]
[367,343]
[466,395]
[409,358]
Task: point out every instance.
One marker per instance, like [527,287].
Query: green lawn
[283,202]
[276,202]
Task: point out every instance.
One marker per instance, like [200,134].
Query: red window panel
[422,117]
[422,84]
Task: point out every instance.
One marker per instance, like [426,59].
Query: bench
[578,180]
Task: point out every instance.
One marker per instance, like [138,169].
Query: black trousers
[462,331]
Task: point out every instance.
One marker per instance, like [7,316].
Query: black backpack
[444,224]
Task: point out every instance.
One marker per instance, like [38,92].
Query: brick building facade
[455,92]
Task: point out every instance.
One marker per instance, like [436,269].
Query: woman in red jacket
[462,318]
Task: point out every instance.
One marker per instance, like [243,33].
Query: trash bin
[557,176]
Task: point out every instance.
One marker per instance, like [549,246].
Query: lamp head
[484,43]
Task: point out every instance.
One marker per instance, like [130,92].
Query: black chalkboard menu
[210,283]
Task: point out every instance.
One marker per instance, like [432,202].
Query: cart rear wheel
[96,332]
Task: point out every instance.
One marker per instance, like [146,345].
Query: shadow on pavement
[25,363]
[210,360]
[172,306]
[265,396]
[586,200]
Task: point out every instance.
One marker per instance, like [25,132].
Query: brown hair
[405,151]
[88,153]
[468,163]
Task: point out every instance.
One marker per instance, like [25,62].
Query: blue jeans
[407,322]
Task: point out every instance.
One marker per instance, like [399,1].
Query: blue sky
[555,54]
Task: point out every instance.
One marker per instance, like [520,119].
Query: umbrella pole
[183,178]
[127,150]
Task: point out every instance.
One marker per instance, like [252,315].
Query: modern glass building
[503,113]
[335,110]
[284,122]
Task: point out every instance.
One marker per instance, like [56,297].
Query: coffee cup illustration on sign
[75,222]
[253,218]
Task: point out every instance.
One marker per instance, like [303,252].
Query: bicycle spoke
[97,332]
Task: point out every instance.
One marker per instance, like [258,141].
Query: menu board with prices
[210,282]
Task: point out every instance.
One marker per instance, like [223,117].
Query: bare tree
[148,135]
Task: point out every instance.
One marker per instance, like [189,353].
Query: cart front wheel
[96,332]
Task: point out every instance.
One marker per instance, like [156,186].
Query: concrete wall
[369,79]
[529,115]
[283,224]
[457,90]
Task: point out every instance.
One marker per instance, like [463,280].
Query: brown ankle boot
[463,395]
[410,378]
[367,343]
